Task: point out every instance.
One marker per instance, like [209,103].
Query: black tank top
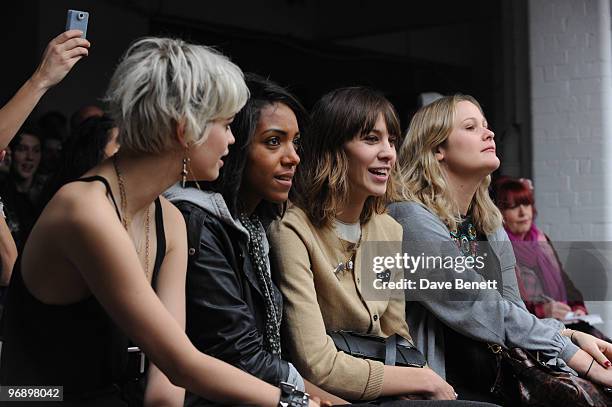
[76,345]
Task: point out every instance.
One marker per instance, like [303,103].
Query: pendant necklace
[351,249]
[124,217]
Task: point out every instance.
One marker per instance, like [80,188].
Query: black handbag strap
[346,342]
[391,350]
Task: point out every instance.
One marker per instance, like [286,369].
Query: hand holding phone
[59,57]
[77,20]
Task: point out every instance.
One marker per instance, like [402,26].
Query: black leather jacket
[225,307]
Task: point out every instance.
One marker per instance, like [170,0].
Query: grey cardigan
[484,315]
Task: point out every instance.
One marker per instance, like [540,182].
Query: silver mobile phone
[77,20]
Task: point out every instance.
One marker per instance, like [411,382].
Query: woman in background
[22,188]
[545,288]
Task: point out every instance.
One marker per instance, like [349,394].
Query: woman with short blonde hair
[162,83]
[106,260]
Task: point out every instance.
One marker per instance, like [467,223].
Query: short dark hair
[29,129]
[322,182]
[263,93]
[87,144]
[53,124]
[84,151]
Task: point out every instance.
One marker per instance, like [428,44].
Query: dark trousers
[426,403]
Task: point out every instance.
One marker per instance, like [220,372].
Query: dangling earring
[184,171]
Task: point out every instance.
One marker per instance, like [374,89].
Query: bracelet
[572,337]
[291,396]
[589,369]
[565,332]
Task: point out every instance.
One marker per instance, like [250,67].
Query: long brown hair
[322,185]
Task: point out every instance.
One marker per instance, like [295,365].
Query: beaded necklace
[465,237]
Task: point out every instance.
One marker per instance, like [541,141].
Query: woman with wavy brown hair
[344,181]
[445,210]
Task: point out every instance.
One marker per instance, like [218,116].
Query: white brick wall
[571,95]
[570,91]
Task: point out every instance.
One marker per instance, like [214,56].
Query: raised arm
[61,54]
[8,252]
[102,251]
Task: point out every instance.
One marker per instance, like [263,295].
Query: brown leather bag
[523,380]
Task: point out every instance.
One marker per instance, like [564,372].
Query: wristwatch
[291,396]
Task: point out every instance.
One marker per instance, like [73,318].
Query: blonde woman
[445,162]
[107,258]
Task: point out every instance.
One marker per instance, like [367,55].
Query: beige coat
[316,300]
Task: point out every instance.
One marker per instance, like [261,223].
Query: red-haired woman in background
[545,288]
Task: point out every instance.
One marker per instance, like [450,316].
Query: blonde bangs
[163,81]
